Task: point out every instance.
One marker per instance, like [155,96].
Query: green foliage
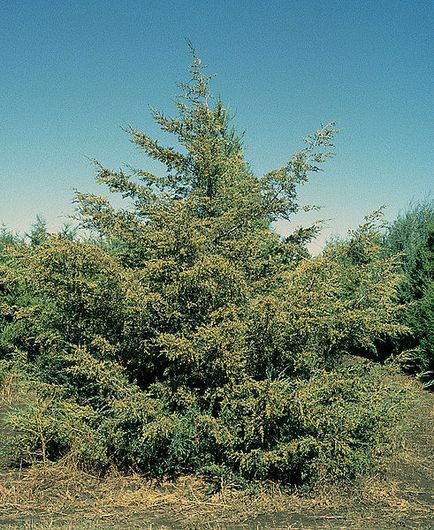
[411,236]
[187,337]
[300,432]
[38,233]
[12,292]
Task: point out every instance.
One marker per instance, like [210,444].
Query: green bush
[187,337]
[329,427]
[411,236]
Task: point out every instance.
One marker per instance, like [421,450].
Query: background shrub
[411,236]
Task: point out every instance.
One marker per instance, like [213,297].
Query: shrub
[411,236]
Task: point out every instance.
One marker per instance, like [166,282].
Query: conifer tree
[190,337]
[208,191]
[199,237]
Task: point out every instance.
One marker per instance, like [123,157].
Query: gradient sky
[73,72]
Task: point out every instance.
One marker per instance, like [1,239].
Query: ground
[398,495]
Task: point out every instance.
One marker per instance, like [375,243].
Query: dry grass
[8,389]
[58,492]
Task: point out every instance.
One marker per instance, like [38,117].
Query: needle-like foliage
[188,336]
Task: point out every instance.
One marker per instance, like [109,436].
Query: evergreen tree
[411,236]
[191,337]
[38,233]
[200,236]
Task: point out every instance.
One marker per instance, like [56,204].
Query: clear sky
[73,72]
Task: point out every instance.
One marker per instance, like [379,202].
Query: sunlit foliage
[186,336]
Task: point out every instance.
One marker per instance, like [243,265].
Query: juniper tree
[208,190]
[200,234]
[197,243]
[192,332]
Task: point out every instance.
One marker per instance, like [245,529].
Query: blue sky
[74,72]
